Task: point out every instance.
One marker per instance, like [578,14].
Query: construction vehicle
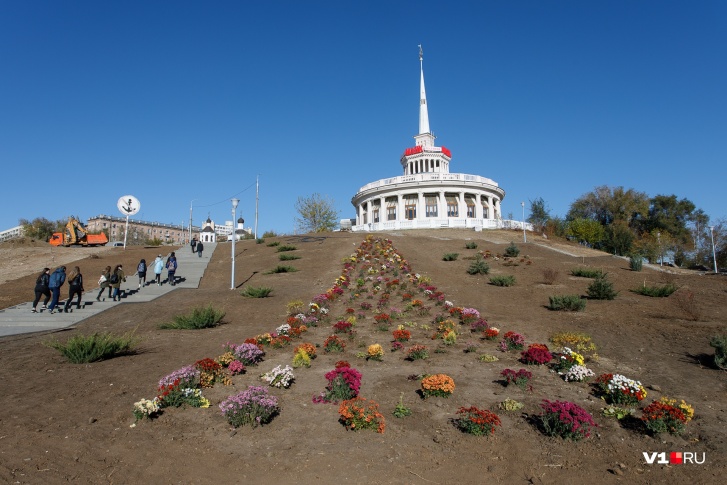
[75,234]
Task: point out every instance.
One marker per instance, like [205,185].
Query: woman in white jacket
[158,268]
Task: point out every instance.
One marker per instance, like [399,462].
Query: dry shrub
[684,300]
[550,275]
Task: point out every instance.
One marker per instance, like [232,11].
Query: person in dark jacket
[200,248]
[103,282]
[75,287]
[194,244]
[141,272]
[41,289]
[117,277]
[171,269]
[56,280]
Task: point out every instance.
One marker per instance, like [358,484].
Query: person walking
[158,268]
[117,277]
[56,280]
[104,282]
[75,287]
[41,289]
[194,245]
[200,248]
[141,271]
[171,268]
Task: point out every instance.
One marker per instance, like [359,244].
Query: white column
[421,206]
[442,205]
[462,206]
[399,208]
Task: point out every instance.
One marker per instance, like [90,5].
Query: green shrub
[450,257]
[601,289]
[282,269]
[656,291]
[270,234]
[288,257]
[82,349]
[286,247]
[470,245]
[586,272]
[259,240]
[569,303]
[719,342]
[273,244]
[505,280]
[512,251]
[636,262]
[201,317]
[256,292]
[478,266]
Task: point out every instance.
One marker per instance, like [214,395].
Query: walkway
[19,319]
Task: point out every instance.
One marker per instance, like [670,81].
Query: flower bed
[439,385]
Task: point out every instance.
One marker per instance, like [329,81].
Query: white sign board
[128,205]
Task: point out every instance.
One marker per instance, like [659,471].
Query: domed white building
[427,195]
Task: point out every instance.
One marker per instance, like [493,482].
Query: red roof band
[420,149]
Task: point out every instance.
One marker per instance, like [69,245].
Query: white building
[208,233]
[427,195]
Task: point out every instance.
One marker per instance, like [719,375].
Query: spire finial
[423,112]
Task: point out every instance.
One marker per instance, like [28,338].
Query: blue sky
[179,101]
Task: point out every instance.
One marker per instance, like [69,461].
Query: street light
[234,236]
[525,237]
[714,255]
[190,220]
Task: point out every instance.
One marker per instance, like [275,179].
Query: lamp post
[525,237]
[234,236]
[714,255]
[190,220]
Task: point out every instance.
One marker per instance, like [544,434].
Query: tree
[619,239]
[539,214]
[41,228]
[607,205]
[586,230]
[668,214]
[316,214]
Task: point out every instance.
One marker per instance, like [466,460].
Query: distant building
[208,233]
[427,195]
[227,230]
[139,231]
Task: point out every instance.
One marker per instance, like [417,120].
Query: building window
[376,214]
[431,201]
[391,209]
[410,207]
[485,210]
[452,206]
[470,207]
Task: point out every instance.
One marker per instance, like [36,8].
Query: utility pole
[257,200]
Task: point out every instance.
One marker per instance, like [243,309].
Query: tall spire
[423,113]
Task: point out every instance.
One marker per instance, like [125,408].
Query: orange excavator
[77,235]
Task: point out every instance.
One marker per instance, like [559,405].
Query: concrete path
[19,319]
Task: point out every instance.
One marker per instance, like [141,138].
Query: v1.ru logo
[675,458]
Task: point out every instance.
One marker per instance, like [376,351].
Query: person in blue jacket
[56,280]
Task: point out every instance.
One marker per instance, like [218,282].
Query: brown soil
[62,422]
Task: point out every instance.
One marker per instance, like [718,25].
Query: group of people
[48,285]
[197,246]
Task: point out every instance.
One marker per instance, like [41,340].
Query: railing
[428,176]
[437,223]
[11,233]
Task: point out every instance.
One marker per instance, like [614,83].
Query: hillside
[61,422]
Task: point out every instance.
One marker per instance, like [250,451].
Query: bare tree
[316,213]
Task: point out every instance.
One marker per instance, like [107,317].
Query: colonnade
[428,204]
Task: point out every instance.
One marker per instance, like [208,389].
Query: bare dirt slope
[62,422]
